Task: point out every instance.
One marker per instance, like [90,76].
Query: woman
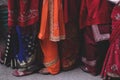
[52,31]
[95,23]
[22,43]
[111,68]
[69,48]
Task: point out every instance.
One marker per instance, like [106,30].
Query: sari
[52,30]
[69,48]
[111,65]
[95,25]
[22,42]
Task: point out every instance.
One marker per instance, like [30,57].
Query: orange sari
[52,30]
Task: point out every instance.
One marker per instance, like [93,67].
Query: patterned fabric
[112,61]
[21,47]
[11,49]
[115,24]
[23,12]
[51,30]
[52,22]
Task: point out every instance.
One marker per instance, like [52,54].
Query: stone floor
[76,74]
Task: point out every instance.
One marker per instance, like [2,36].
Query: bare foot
[44,71]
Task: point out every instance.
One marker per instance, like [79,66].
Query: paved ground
[76,74]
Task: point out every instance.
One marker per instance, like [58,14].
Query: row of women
[49,36]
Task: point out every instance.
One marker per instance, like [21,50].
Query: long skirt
[111,67]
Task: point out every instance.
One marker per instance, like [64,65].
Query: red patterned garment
[112,61]
[23,12]
[21,48]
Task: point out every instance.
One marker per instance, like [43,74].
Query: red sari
[94,21]
[112,61]
[22,42]
[69,48]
